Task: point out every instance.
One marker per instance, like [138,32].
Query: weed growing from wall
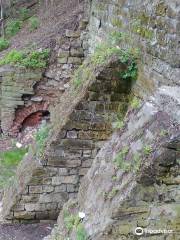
[135,103]
[40,138]
[147,150]
[121,163]
[73,222]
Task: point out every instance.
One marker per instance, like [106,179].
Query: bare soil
[24,231]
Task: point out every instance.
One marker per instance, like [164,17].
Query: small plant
[4,44]
[114,178]
[33,23]
[147,150]
[136,163]
[112,193]
[142,30]
[82,73]
[120,159]
[24,14]
[119,124]
[13,27]
[135,103]
[41,137]
[34,59]
[81,232]
[163,133]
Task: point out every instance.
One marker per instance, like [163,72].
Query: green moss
[33,59]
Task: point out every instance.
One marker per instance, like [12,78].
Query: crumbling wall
[87,114]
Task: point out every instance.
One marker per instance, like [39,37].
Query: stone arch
[83,124]
[23,113]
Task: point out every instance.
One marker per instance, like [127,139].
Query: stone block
[62,171]
[77,52]
[87,153]
[42,215]
[87,163]
[62,60]
[61,188]
[63,54]
[51,206]
[31,207]
[72,34]
[77,143]
[24,215]
[35,189]
[72,134]
[83,171]
[73,179]
[71,188]
[19,207]
[53,215]
[75,60]
[73,171]
[29,198]
[53,197]
[63,162]
[47,188]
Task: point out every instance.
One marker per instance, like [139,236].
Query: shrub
[34,59]
[33,23]
[4,44]
[13,27]
[12,57]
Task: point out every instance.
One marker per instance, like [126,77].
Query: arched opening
[35,119]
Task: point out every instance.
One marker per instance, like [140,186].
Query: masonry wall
[152,26]
[45,183]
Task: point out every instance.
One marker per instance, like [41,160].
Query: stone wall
[152,27]
[85,125]
[25,89]
[15,82]
[134,179]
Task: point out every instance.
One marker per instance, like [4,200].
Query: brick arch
[23,113]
